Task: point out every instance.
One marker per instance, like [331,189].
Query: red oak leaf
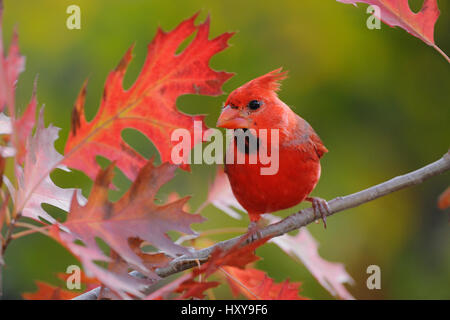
[167,289]
[397,13]
[238,256]
[135,215]
[46,291]
[22,129]
[34,188]
[256,285]
[221,196]
[150,104]
[10,68]
[331,275]
[90,283]
[194,289]
[120,268]
[49,292]
[121,283]
[24,126]
[151,260]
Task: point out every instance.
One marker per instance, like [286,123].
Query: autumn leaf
[121,283]
[46,291]
[10,68]
[90,283]
[120,268]
[194,289]
[188,289]
[256,285]
[134,216]
[303,246]
[237,256]
[221,195]
[34,188]
[150,104]
[23,127]
[151,260]
[6,149]
[398,13]
[37,153]
[170,287]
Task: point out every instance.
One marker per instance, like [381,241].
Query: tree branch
[304,217]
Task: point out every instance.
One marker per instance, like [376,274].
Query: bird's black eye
[254,104]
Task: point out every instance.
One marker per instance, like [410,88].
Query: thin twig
[9,231]
[442,53]
[304,217]
[31,229]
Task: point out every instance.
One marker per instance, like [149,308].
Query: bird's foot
[253,232]
[321,208]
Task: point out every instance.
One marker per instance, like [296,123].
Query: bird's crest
[269,81]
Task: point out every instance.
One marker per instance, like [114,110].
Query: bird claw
[253,232]
[321,209]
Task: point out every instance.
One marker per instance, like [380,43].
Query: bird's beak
[232,119]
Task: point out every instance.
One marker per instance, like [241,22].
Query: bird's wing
[304,133]
[318,144]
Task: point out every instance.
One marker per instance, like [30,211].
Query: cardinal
[255,105]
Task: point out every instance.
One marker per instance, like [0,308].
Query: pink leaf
[24,126]
[10,68]
[135,216]
[397,13]
[221,196]
[304,247]
[33,188]
[121,283]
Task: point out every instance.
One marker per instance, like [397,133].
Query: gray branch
[304,217]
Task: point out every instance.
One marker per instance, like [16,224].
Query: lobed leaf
[397,13]
[256,285]
[150,104]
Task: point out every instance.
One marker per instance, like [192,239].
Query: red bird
[256,105]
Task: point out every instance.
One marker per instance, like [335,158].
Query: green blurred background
[378,98]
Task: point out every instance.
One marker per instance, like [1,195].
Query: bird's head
[255,105]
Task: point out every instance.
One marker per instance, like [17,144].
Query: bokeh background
[379,99]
